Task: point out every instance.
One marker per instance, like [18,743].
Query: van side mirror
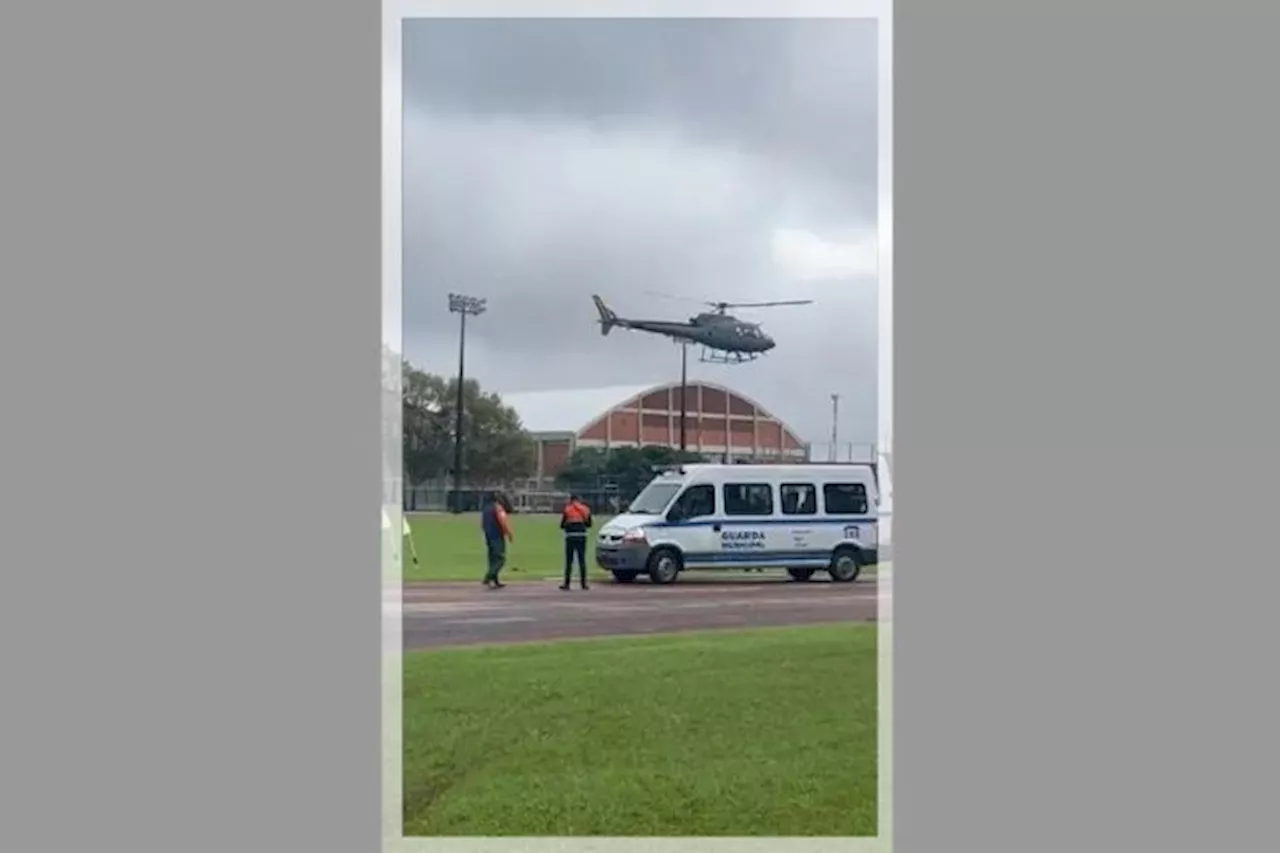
[676,513]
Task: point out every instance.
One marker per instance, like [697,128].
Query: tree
[428,425]
[584,468]
[631,468]
[628,468]
[496,448]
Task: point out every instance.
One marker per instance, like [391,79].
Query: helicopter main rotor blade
[673,296]
[760,304]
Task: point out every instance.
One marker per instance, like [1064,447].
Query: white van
[803,518]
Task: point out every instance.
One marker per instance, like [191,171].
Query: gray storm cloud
[546,160]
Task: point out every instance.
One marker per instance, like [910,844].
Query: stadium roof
[573,410]
[569,410]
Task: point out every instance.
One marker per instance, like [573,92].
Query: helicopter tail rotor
[608,319]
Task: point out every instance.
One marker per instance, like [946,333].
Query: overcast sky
[546,160]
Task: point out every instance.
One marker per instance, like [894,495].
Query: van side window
[696,502]
[845,498]
[748,499]
[798,498]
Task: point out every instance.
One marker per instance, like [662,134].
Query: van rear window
[845,498]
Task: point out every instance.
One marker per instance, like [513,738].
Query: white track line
[453,613]
[536,590]
[448,607]
[487,620]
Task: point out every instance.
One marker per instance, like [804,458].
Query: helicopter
[724,338]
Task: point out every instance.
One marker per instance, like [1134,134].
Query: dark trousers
[497,558]
[575,546]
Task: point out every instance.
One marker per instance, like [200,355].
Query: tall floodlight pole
[463,306]
[835,427]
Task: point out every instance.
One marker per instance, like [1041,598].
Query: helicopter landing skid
[711,356]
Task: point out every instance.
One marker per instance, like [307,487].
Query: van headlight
[635,534]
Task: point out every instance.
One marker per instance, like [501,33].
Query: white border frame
[393,14]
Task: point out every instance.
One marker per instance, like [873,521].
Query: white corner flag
[408,534]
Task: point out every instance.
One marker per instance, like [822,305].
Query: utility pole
[684,392]
[835,427]
[463,306]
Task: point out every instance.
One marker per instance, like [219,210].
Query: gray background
[1084,445]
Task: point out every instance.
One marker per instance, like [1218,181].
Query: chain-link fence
[606,495]
[605,498]
[441,498]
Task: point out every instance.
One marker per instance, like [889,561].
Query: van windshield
[655,498]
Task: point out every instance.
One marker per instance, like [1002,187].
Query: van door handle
[715,528]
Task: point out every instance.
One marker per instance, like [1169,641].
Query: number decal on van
[851,532]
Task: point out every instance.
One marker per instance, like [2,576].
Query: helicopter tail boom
[608,319]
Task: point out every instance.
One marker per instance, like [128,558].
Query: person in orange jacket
[497,533]
[575,521]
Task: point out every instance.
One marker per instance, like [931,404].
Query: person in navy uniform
[575,521]
[496,527]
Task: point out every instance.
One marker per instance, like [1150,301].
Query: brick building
[719,422]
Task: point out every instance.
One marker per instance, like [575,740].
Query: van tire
[800,574]
[846,564]
[624,576]
[664,566]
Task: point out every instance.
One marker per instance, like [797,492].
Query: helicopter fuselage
[718,333]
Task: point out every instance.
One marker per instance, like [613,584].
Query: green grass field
[763,732]
[450,548]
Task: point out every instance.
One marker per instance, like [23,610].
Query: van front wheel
[846,565]
[800,574]
[664,566]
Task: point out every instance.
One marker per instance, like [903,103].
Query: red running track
[452,614]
